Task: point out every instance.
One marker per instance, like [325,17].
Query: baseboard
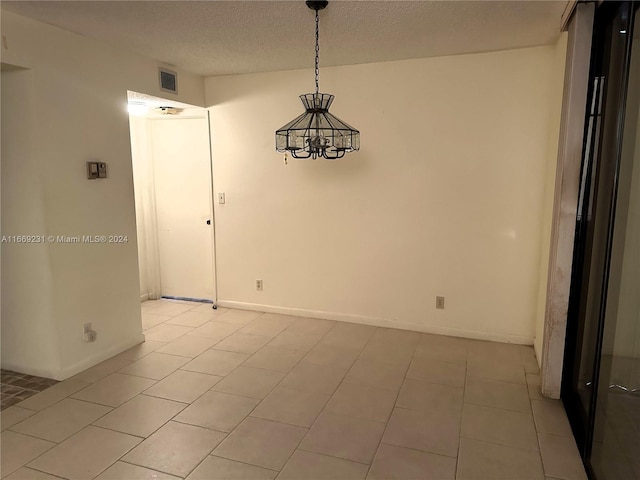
[64,373]
[381,322]
[100,357]
[144,298]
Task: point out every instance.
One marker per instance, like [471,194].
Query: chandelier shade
[317,133]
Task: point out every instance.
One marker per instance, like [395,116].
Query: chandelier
[317,133]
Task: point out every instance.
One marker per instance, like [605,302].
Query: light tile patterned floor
[231,394]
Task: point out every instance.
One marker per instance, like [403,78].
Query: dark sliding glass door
[601,383]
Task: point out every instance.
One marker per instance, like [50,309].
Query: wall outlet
[88,333]
[258,284]
[440,303]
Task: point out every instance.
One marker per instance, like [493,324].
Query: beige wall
[79,96]
[446,196]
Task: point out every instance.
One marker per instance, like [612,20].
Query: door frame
[197,113]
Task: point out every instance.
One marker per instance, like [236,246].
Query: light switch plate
[92,170]
[221,198]
[96,170]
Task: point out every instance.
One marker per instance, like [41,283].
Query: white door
[182,176]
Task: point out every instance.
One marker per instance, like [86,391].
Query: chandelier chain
[317,133]
[317,52]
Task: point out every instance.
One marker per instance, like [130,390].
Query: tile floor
[232,394]
[16,387]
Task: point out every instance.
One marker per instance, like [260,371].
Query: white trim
[58,374]
[214,253]
[381,322]
[565,205]
[144,298]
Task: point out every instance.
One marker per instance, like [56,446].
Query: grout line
[57,444]
[418,450]
[386,425]
[334,457]
[464,394]
[142,439]
[25,465]
[37,470]
[182,422]
[173,400]
[146,378]
[535,426]
[125,453]
[493,442]
[93,402]
[38,438]
[142,466]
[55,403]
[499,408]
[285,374]
[260,400]
[243,463]
[172,419]
[34,458]
[332,395]
[556,435]
[244,396]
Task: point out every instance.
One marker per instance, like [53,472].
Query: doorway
[601,380]
[173,190]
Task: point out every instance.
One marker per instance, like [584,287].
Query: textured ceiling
[230,37]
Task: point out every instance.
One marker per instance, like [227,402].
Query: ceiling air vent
[168,80]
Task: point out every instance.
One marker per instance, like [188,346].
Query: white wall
[29,293]
[79,95]
[446,196]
